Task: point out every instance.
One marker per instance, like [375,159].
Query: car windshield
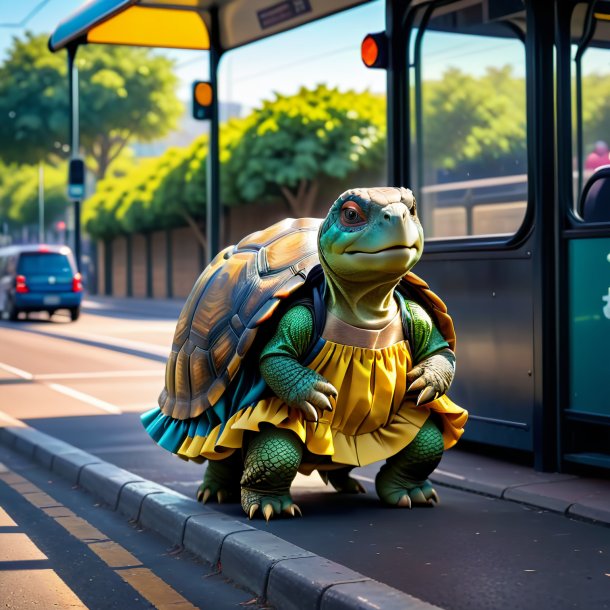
[37,263]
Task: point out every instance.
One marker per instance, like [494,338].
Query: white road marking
[437,471]
[7,420]
[98,375]
[450,474]
[150,348]
[361,478]
[86,398]
[15,371]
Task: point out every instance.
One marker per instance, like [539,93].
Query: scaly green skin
[365,247]
[403,479]
[221,480]
[272,460]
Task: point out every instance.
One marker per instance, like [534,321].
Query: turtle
[312,346]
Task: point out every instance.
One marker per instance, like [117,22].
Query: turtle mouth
[388,249]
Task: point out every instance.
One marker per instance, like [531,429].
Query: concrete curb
[285,575]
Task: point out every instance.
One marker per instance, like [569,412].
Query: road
[472,551]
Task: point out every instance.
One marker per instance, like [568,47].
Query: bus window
[470,124]
[591,99]
[315,120]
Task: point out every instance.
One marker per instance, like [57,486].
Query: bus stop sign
[76,180]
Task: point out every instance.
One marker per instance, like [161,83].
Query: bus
[498,118]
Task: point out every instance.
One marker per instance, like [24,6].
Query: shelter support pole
[74,142]
[542,194]
[213,166]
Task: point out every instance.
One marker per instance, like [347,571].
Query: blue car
[39,278]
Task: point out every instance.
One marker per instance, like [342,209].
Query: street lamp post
[74,142]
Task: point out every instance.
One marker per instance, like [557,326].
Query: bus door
[584,174]
[467,164]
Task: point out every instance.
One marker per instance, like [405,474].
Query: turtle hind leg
[221,480]
[403,479]
[342,482]
[272,459]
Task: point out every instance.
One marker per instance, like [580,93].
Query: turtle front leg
[221,480]
[272,460]
[403,480]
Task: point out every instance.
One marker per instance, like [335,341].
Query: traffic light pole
[74,142]
[213,167]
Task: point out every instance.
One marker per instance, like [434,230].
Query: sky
[306,56]
[326,51]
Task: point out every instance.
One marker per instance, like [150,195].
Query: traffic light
[203,96]
[374,50]
[76,179]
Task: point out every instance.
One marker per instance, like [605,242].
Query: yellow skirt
[371,419]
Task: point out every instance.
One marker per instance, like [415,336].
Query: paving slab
[167,514]
[106,481]
[132,496]
[250,556]
[298,584]
[69,465]
[588,498]
[487,475]
[370,595]
[205,534]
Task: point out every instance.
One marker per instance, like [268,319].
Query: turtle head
[371,235]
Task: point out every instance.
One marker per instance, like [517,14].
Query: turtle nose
[396,212]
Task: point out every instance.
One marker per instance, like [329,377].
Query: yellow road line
[120,560]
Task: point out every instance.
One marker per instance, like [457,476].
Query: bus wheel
[74,313]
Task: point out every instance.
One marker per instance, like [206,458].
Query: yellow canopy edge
[153,27]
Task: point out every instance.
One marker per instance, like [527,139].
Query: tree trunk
[301,203]
[196,229]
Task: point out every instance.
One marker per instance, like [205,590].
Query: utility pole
[40,203]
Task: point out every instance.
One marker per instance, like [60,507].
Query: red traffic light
[374,50]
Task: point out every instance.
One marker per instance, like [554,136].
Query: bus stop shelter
[216,26]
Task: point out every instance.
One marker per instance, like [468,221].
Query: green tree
[289,144]
[595,112]
[126,94]
[19,194]
[468,118]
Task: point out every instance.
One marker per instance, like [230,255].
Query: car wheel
[13,312]
[74,313]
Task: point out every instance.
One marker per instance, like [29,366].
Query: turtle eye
[352,215]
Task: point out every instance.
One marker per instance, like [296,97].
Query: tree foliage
[285,148]
[126,93]
[19,193]
[595,112]
[292,142]
[468,118]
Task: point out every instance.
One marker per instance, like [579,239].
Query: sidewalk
[578,497]
[285,575]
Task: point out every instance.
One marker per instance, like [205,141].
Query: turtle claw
[426,395]
[221,496]
[268,505]
[404,493]
[206,495]
[404,502]
[293,510]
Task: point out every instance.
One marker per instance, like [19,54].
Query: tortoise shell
[238,291]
